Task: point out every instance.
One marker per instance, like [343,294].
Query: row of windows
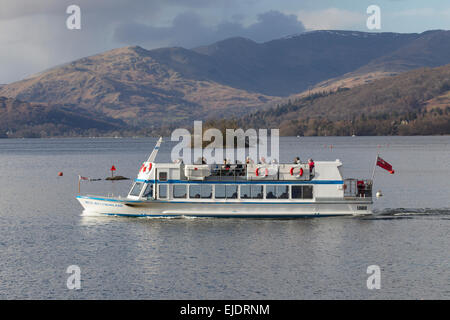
[205,191]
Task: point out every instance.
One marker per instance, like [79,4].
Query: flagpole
[374,166]
[79,179]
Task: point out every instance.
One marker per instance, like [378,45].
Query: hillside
[431,49]
[416,102]
[23,119]
[171,87]
[290,65]
[130,84]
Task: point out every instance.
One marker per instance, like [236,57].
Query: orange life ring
[266,172]
[300,173]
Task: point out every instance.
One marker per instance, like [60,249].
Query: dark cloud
[112,8]
[189,30]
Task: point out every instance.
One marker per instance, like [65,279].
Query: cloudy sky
[34,36]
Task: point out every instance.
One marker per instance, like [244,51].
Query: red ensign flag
[385,165]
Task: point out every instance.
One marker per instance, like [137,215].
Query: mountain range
[135,87]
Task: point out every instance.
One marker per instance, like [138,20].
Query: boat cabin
[245,182]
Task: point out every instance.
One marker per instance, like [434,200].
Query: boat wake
[90,214]
[402,212]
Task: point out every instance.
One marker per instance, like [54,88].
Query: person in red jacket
[311,166]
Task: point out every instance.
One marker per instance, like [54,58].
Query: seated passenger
[226,165]
[270,195]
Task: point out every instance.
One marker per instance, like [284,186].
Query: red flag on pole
[383,164]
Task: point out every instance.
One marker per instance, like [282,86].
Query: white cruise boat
[237,190]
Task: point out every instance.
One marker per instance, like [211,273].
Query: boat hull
[248,209]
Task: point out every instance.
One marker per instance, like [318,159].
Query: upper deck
[321,171]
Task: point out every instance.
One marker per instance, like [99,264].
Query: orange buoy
[60,174]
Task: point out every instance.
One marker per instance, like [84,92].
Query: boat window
[283,192]
[148,193]
[206,191]
[257,191]
[163,191]
[219,191]
[245,192]
[271,192]
[194,191]
[277,192]
[296,192]
[307,192]
[231,191]
[200,191]
[302,192]
[163,176]
[226,191]
[179,191]
[136,190]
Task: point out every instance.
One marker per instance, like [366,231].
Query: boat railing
[228,170]
[240,171]
[358,188]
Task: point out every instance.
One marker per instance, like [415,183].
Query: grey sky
[34,37]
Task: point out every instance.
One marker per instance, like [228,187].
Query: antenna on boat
[155,151]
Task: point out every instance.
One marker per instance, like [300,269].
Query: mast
[374,166]
[155,151]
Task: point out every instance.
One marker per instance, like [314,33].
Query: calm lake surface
[42,230]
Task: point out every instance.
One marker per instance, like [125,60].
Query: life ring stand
[300,172]
[266,172]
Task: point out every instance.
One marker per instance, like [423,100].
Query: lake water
[42,230]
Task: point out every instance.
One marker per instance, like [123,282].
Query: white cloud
[332,19]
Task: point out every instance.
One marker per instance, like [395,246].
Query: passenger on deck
[226,165]
[249,160]
[311,164]
[203,160]
[297,160]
